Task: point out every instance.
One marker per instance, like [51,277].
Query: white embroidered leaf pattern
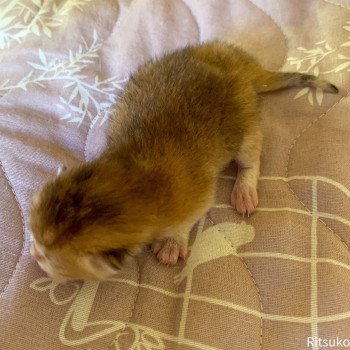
[310,98]
[302,92]
[6,21]
[37,2]
[319,96]
[47,31]
[342,3]
[42,57]
[35,29]
[311,59]
[36,66]
[341,67]
[19,20]
[87,99]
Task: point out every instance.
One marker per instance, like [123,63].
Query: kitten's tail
[270,81]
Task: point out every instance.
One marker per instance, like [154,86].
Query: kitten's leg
[244,196]
[170,248]
[172,244]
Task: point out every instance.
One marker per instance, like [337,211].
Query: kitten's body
[179,122]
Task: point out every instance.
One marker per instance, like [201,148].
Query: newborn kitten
[179,122]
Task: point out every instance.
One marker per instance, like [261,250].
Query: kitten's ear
[99,266]
[61,169]
[108,263]
[115,257]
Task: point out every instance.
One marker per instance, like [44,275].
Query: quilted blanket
[279,279]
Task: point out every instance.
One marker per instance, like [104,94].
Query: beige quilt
[277,280]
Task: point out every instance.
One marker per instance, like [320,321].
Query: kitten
[180,120]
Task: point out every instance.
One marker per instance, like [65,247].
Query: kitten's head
[90,219]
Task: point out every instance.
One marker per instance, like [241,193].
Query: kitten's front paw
[168,251]
[244,198]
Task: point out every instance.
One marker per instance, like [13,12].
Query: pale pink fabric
[265,282]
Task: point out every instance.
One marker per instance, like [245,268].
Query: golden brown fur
[179,122]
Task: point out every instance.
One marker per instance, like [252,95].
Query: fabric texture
[265,282]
